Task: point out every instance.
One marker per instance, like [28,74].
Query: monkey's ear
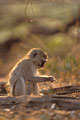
[33,53]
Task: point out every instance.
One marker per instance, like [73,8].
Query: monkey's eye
[44,56]
[34,55]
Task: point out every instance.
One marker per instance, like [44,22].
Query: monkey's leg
[19,88]
[35,89]
[29,88]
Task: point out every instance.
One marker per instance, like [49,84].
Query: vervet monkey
[24,78]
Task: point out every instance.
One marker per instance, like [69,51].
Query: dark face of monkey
[38,56]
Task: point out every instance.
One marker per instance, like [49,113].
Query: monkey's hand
[52,78]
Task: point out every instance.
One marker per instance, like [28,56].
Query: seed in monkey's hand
[52,78]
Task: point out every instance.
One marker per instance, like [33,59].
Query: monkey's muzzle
[42,64]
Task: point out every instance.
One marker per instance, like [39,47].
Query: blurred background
[52,25]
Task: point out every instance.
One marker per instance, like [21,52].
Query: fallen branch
[63,102]
[62,90]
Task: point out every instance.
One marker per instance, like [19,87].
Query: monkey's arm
[41,79]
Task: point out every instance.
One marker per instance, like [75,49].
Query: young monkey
[24,78]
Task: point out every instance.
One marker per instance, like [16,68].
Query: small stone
[53,106]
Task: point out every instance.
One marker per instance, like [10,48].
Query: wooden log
[63,102]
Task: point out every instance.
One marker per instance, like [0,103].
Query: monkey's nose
[43,61]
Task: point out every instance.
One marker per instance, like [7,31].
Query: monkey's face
[40,60]
[39,57]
